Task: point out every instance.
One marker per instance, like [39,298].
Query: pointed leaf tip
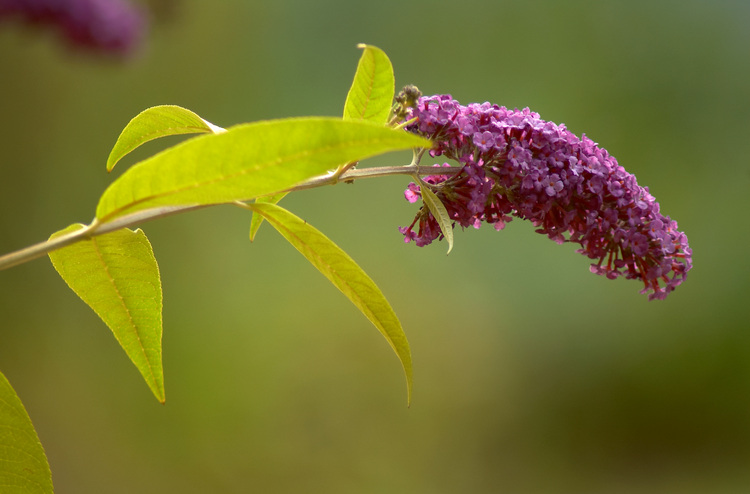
[23,464]
[371,94]
[257,219]
[346,275]
[437,208]
[155,122]
[117,276]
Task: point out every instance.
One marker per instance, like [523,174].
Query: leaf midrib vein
[259,167]
[133,325]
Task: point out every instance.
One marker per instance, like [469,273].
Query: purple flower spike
[516,165]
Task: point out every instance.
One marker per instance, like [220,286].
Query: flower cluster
[108,26]
[513,164]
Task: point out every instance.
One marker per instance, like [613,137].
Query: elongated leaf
[436,207]
[371,94]
[247,161]
[345,274]
[257,219]
[23,465]
[155,122]
[116,275]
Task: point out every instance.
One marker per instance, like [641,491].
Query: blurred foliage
[531,374]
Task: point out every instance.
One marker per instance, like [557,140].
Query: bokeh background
[532,375]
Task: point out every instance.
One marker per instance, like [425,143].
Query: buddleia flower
[516,165]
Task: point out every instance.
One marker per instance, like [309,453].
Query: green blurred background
[532,375]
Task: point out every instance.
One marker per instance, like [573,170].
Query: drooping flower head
[514,164]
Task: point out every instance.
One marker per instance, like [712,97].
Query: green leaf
[257,219]
[247,161]
[345,274]
[23,465]
[371,95]
[155,122]
[436,207]
[116,275]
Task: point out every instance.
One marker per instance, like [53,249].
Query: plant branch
[43,248]
[383,171]
[95,228]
